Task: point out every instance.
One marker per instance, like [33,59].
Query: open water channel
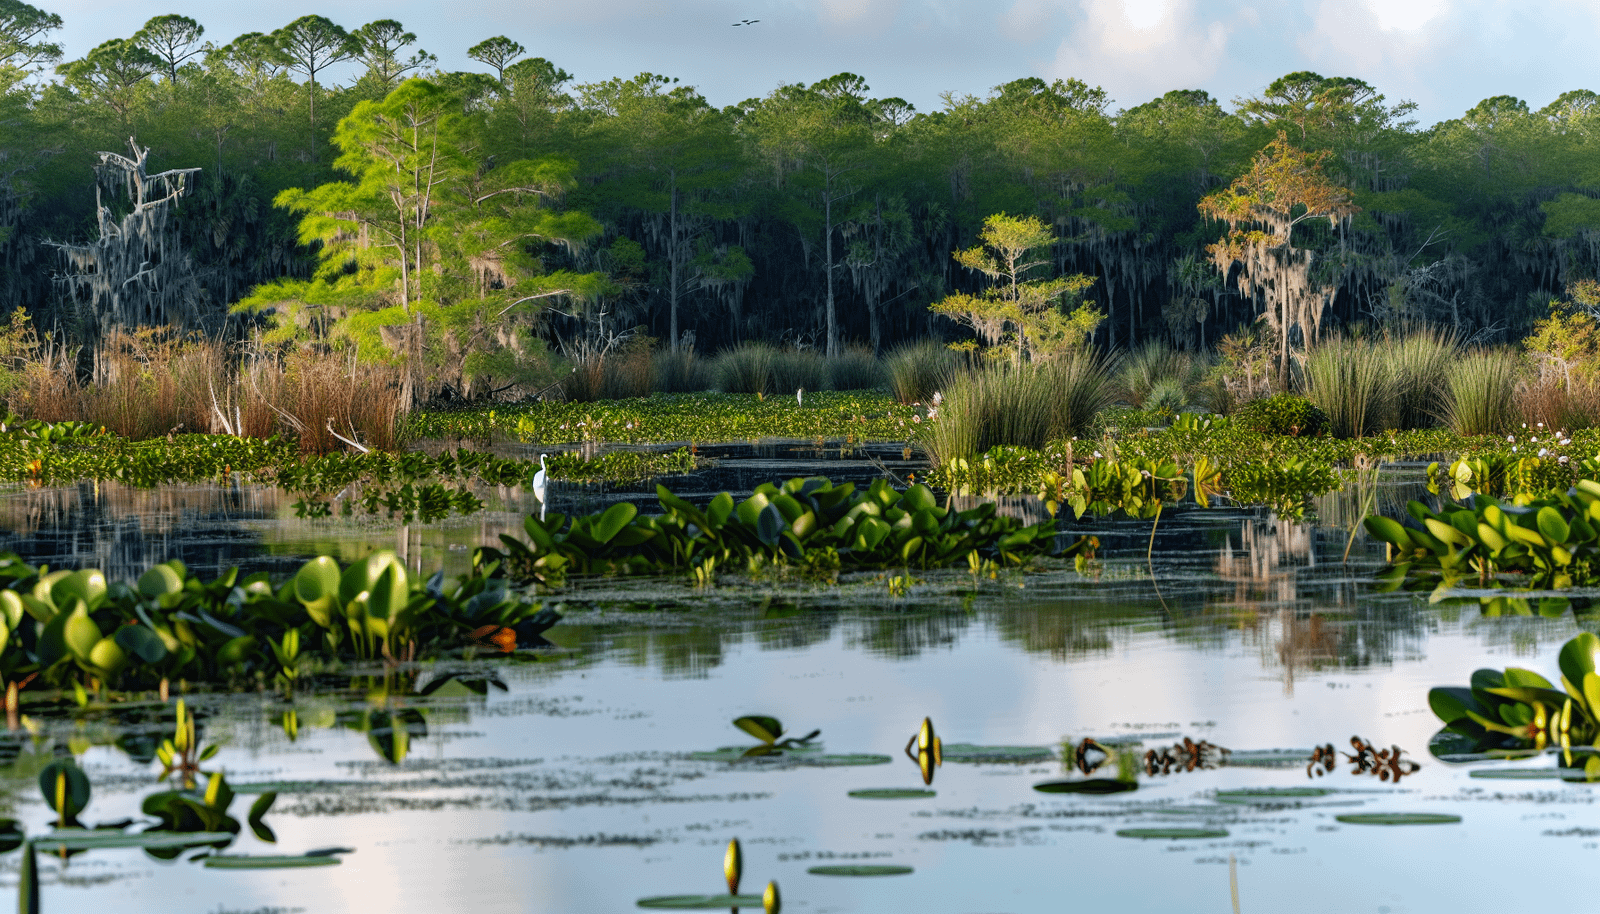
[587,776]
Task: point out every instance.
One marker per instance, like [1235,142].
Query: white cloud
[1139,49]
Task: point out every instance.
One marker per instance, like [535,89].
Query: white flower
[1511,437]
[1563,459]
[937,398]
[1544,452]
[1540,425]
[1097,453]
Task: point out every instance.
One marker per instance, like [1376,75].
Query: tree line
[473,217]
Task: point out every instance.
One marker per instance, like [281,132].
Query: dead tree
[135,274]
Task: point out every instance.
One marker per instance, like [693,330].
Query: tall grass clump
[1156,366]
[855,368]
[1350,381]
[316,394]
[1482,388]
[1027,406]
[798,368]
[746,369]
[680,371]
[614,372]
[1420,363]
[918,370]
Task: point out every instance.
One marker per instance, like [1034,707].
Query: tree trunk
[827,227]
[675,254]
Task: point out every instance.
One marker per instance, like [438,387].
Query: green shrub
[1166,396]
[918,370]
[1155,364]
[797,368]
[1283,414]
[680,371]
[1420,363]
[1483,392]
[746,369]
[1027,406]
[855,368]
[1351,382]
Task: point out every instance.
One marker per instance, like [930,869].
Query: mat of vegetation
[406,484]
[1276,470]
[701,417]
[811,523]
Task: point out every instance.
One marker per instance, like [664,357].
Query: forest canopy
[473,217]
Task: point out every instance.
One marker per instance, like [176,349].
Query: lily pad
[1096,786]
[1398,818]
[1172,834]
[892,793]
[700,902]
[1017,755]
[267,862]
[881,869]
[1517,774]
[842,759]
[84,839]
[789,756]
[1263,795]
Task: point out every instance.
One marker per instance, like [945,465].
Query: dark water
[576,788]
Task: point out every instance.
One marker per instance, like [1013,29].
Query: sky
[1445,55]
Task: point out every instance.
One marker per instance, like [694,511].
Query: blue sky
[1443,54]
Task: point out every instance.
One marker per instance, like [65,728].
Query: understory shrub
[612,373]
[746,368]
[918,370]
[680,371]
[1026,406]
[1420,363]
[1283,414]
[1351,382]
[1482,392]
[1156,365]
[793,369]
[855,368]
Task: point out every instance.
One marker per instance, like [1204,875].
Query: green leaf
[141,642]
[892,793]
[267,861]
[77,793]
[769,524]
[611,522]
[80,634]
[861,869]
[1388,530]
[766,729]
[160,581]
[1552,525]
[1579,656]
[1095,786]
[1398,818]
[1172,834]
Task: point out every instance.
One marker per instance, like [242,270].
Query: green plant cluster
[703,417]
[1283,414]
[377,475]
[75,628]
[1552,539]
[875,528]
[1520,709]
[1136,482]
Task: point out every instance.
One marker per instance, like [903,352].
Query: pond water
[581,782]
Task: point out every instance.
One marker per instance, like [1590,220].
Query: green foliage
[875,528]
[1352,382]
[1553,540]
[1482,389]
[1028,406]
[919,370]
[1283,414]
[1520,709]
[81,628]
[857,416]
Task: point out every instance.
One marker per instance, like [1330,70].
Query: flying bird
[746,22]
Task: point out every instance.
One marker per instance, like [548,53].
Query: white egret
[540,484]
[800,397]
